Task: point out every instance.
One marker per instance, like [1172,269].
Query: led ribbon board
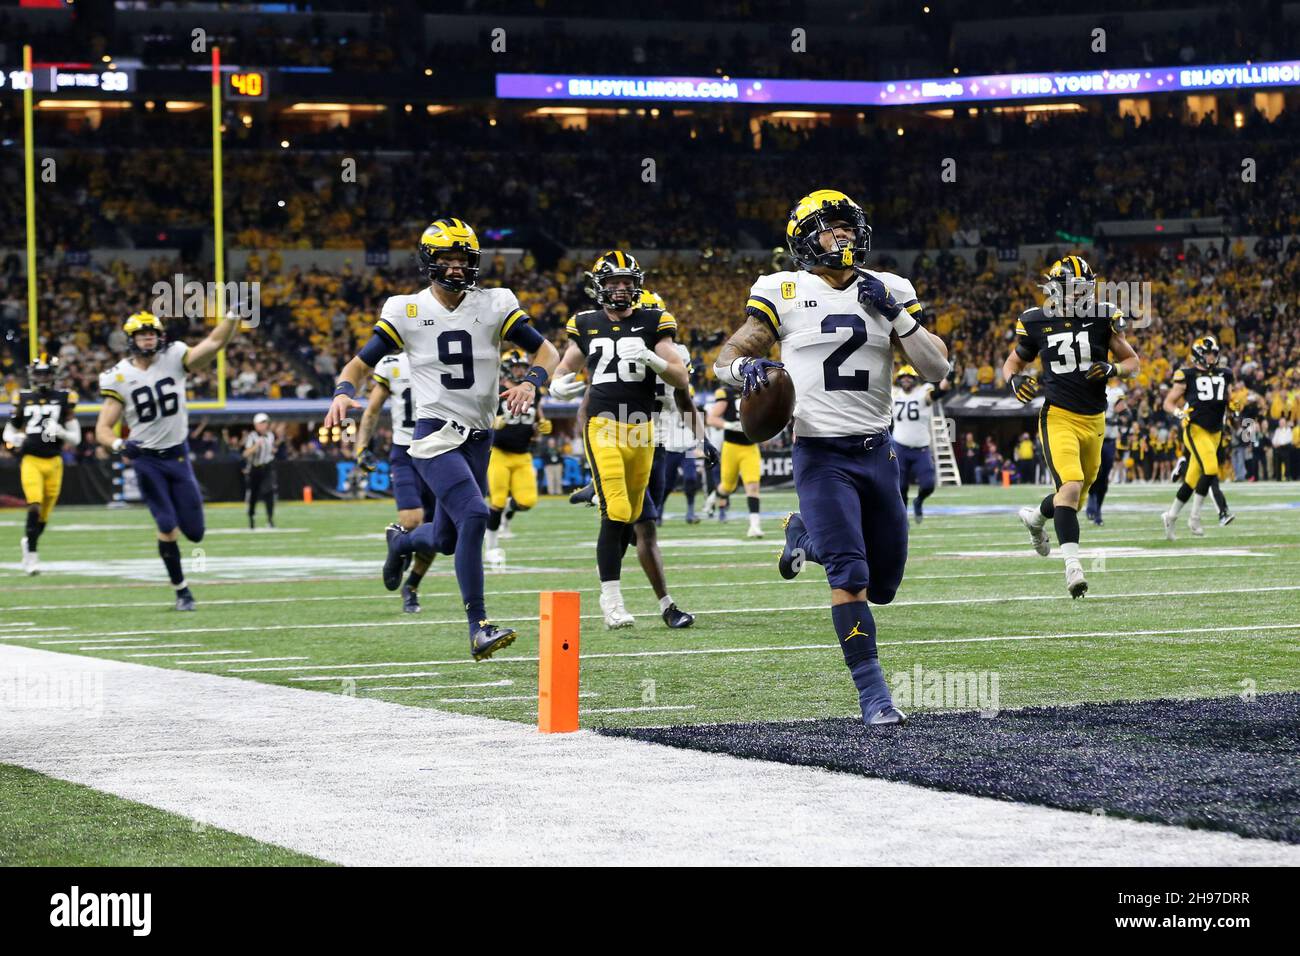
[952,89]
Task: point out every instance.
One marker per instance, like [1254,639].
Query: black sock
[1184,493]
[415,577]
[511,510]
[752,501]
[1048,507]
[494,519]
[1067,524]
[270,510]
[610,545]
[1203,486]
[171,557]
[34,528]
[1220,501]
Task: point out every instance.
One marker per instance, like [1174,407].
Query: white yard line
[244,660]
[491,683]
[782,648]
[181,654]
[339,677]
[934,602]
[362,781]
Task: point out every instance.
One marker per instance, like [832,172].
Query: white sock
[1197,502]
[755,521]
[665,603]
[1176,507]
[490,539]
[1070,552]
[1038,520]
[612,590]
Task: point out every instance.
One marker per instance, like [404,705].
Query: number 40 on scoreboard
[247,85]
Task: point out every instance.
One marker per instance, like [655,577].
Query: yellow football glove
[544,427]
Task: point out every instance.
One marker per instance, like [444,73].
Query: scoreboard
[61,79]
[247,85]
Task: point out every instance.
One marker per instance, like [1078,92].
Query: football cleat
[489,639]
[1194,526]
[396,563]
[506,533]
[410,600]
[1180,469]
[711,504]
[585,495]
[1170,522]
[616,615]
[1226,519]
[676,618]
[692,518]
[1074,580]
[184,600]
[792,558]
[1037,533]
[889,716]
[755,530]
[495,558]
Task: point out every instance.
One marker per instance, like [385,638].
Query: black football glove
[1100,371]
[366,461]
[872,292]
[1024,387]
[710,454]
[754,372]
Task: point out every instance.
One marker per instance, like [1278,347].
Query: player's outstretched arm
[203,354]
[519,398]
[1129,363]
[370,417]
[563,386]
[1175,398]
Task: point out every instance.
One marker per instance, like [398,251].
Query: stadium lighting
[182,106]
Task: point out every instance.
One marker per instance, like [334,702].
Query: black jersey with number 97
[619,388]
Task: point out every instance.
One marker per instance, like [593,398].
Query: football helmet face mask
[816,215]
[450,254]
[615,281]
[42,374]
[144,322]
[1206,351]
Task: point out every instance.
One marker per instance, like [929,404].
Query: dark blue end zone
[1219,764]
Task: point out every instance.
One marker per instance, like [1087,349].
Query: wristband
[345,388]
[730,373]
[656,362]
[537,375]
[904,324]
[116,447]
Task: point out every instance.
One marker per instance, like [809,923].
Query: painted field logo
[103,909]
[947,690]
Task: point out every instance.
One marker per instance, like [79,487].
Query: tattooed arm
[754,339]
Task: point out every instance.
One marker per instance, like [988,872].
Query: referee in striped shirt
[259,464]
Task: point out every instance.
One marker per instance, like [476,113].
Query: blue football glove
[872,293]
[754,372]
[710,454]
[366,461]
[130,448]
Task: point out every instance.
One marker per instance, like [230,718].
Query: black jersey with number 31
[1207,395]
[1068,347]
[620,389]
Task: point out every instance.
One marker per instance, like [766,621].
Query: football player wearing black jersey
[1076,337]
[1199,397]
[512,480]
[43,424]
[624,347]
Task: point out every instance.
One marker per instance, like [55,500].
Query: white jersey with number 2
[836,350]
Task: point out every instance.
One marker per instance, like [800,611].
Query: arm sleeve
[380,344]
[522,334]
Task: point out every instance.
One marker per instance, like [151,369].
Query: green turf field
[47,822]
[303,606]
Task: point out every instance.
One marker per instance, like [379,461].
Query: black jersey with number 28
[618,388]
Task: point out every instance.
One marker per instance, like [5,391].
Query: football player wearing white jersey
[147,391]
[837,324]
[415,502]
[912,438]
[452,333]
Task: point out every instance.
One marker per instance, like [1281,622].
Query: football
[764,413]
